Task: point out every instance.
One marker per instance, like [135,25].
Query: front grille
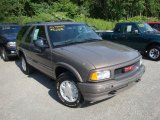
[120,71]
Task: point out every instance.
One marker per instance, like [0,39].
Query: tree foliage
[100,9]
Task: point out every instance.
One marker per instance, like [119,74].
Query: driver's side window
[39,34]
[130,29]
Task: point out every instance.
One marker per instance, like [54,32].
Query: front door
[42,58]
[134,38]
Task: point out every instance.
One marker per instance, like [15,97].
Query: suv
[85,67]
[8,34]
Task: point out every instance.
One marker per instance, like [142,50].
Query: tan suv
[85,67]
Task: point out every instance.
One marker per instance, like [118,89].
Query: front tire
[4,55]
[26,68]
[154,53]
[68,91]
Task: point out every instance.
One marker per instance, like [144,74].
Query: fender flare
[71,69]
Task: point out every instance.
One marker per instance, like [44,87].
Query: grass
[98,23]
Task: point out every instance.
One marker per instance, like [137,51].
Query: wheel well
[151,44]
[60,70]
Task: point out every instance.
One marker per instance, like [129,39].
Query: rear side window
[21,34]
[117,28]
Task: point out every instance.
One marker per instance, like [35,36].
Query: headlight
[11,44]
[100,75]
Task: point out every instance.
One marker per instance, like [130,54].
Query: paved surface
[33,98]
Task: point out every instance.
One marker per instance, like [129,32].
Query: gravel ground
[34,98]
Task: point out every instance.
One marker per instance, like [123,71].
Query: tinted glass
[71,33]
[9,29]
[130,28]
[154,25]
[39,33]
[144,27]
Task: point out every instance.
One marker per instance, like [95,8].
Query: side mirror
[136,32]
[40,44]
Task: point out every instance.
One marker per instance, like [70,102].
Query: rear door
[41,58]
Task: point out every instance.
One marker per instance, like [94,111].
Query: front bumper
[11,52]
[99,91]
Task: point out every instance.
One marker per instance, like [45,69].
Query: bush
[98,23]
[14,19]
[41,17]
[34,8]
[67,7]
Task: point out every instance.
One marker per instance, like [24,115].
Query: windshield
[71,34]
[9,29]
[144,27]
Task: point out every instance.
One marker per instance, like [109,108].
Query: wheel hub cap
[69,91]
[23,64]
[154,53]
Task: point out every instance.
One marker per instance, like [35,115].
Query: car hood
[101,53]
[154,35]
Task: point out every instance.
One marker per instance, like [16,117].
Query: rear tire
[154,53]
[68,91]
[25,67]
[4,55]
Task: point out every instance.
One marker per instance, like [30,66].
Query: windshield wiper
[74,41]
[91,40]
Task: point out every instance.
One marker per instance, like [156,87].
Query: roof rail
[35,22]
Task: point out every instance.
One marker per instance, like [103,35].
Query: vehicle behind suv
[85,67]
[137,35]
[8,34]
[155,25]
